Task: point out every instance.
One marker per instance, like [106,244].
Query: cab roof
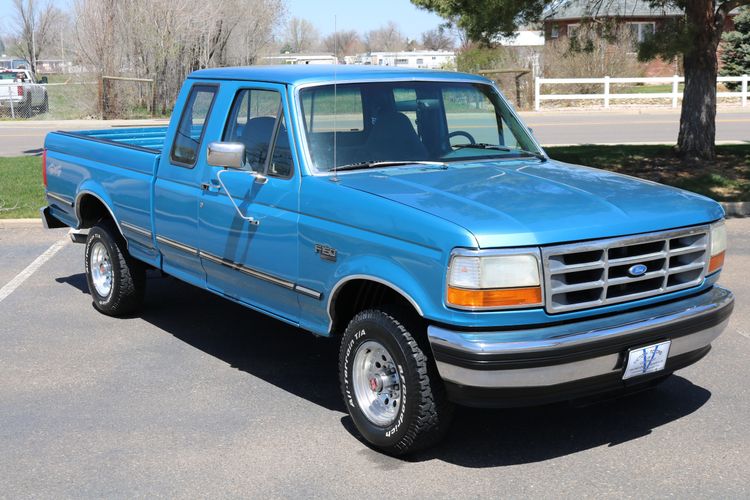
[298,74]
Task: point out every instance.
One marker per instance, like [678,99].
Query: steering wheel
[461,133]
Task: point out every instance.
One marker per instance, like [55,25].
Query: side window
[189,134]
[281,160]
[252,122]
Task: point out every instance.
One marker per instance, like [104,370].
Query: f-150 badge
[326,252]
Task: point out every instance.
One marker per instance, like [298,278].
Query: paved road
[550,128]
[615,126]
[197,397]
[27,137]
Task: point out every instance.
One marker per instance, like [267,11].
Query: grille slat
[636,259]
[628,279]
[593,274]
[581,286]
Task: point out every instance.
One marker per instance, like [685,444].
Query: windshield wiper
[378,164]
[484,145]
[481,145]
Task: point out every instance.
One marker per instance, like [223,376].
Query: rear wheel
[390,386]
[116,280]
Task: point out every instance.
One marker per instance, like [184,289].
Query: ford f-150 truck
[411,215]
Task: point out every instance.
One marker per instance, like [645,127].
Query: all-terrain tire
[424,414]
[128,276]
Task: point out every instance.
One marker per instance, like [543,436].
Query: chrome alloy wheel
[376,382]
[100,264]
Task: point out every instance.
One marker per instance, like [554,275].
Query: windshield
[384,122]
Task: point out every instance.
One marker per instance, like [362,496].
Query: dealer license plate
[644,360]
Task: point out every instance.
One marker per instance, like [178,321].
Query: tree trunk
[698,118]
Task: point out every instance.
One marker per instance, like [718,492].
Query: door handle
[211,187]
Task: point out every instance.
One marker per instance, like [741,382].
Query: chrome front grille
[603,272]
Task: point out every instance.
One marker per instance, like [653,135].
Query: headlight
[718,246]
[494,279]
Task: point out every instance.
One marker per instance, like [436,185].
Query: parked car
[410,215]
[21,95]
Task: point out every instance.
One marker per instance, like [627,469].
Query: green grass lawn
[725,179]
[21,189]
[645,89]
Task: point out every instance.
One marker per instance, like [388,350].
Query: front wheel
[390,386]
[116,280]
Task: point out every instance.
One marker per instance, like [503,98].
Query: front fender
[379,269]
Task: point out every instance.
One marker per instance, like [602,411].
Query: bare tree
[386,38]
[165,40]
[300,35]
[438,39]
[343,43]
[33,28]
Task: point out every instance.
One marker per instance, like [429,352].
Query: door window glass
[281,160]
[252,122]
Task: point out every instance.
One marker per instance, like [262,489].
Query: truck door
[254,261]
[177,190]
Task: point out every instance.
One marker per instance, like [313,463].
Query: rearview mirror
[226,154]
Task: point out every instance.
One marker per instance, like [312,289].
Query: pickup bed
[411,216]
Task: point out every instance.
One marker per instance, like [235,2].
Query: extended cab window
[252,122]
[189,134]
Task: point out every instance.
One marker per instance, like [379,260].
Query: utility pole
[33,50]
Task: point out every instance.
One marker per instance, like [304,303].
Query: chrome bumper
[564,354]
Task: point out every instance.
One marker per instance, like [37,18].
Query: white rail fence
[607,96]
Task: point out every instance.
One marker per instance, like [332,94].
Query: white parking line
[11,286]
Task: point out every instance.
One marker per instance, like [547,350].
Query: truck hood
[530,202]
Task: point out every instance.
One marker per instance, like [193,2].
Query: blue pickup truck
[410,215]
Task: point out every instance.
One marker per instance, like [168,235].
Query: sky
[360,15]
[363,15]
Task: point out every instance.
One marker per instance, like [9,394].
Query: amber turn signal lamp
[502,297]
[717,261]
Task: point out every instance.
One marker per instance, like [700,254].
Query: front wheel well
[357,295]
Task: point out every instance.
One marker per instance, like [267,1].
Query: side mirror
[43,80]
[226,154]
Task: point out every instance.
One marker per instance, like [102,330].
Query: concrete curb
[736,208]
[8,223]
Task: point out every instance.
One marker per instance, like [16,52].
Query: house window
[573,30]
[555,31]
[640,31]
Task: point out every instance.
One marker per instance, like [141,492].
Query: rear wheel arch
[90,209]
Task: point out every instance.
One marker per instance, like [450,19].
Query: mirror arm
[250,219]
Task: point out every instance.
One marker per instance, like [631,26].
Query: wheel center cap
[375,384]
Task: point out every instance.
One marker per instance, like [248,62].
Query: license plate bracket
[648,359]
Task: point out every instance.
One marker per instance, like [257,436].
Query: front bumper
[576,359]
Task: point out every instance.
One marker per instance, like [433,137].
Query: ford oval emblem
[637,270]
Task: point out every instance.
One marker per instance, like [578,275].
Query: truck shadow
[306,366]
[493,438]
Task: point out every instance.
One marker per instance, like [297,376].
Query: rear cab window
[192,125]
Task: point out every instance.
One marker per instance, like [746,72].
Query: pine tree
[735,56]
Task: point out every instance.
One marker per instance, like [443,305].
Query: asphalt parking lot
[198,397]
